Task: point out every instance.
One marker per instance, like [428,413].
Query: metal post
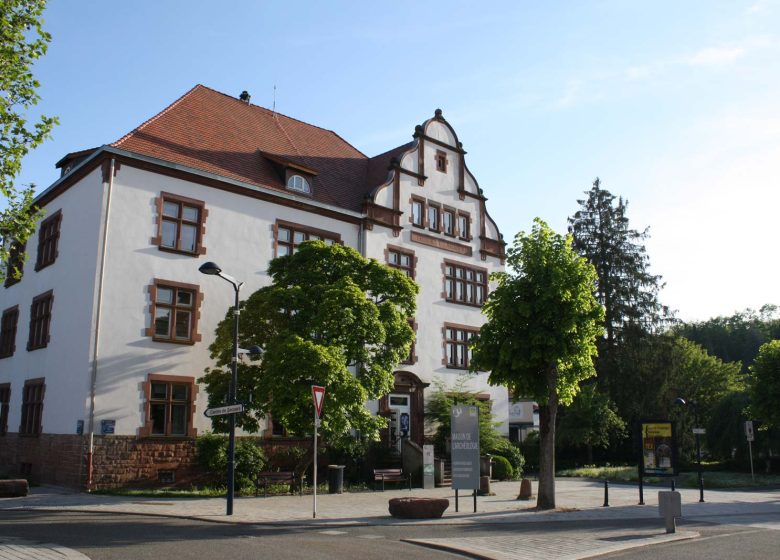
[314,482]
[456,500]
[641,491]
[231,462]
[475,500]
[698,450]
[672,485]
[752,474]
[606,493]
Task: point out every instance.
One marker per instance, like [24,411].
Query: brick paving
[12,548]
[577,500]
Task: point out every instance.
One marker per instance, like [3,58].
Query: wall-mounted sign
[464,447]
[80,427]
[659,452]
[107,427]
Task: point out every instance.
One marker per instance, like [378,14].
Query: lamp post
[682,402]
[213,269]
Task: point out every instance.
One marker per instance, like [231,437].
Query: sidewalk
[577,500]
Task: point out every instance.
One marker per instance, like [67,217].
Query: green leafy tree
[22,41]
[439,420]
[765,385]
[539,339]
[590,421]
[330,317]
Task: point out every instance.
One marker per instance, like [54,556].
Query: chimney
[245,97]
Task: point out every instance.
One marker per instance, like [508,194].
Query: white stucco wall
[64,363]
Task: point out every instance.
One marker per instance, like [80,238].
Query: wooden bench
[391,475]
[273,477]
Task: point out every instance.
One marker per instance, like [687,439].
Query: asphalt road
[127,537]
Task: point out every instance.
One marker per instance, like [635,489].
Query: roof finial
[274,106]
[437,112]
[245,97]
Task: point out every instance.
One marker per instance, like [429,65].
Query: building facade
[107,330]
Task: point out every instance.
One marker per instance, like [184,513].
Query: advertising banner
[659,452]
[464,446]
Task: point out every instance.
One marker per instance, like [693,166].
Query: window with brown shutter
[5,403]
[40,320]
[8,331]
[32,407]
[48,238]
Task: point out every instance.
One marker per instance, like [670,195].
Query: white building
[109,326]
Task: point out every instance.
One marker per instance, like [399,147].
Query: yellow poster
[658,454]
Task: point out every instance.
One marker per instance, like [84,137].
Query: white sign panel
[749,434]
[224,410]
[464,446]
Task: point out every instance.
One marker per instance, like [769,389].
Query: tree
[625,287]
[539,339]
[590,421]
[765,385]
[22,41]
[330,317]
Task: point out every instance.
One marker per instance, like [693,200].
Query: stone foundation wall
[121,461]
[45,459]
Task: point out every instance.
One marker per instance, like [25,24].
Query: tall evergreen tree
[626,288]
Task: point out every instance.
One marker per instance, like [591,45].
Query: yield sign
[318,394]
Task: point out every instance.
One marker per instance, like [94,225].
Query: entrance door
[400,419]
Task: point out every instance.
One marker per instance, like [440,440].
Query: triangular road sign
[318,394]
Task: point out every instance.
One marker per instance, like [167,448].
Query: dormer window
[298,183]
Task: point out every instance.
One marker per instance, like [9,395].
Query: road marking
[371,536]
[333,532]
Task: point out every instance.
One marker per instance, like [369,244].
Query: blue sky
[674,105]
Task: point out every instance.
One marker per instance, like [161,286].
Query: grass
[712,479]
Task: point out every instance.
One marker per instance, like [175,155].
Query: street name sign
[699,431]
[224,410]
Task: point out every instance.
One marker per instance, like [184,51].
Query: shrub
[502,468]
[212,458]
[530,449]
[511,452]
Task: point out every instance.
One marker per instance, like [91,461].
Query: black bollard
[606,493]
[672,485]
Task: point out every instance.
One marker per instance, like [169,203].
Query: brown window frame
[412,357]
[15,263]
[193,309]
[441,161]
[467,216]
[452,280]
[8,328]
[48,240]
[433,206]
[308,234]
[40,321]
[401,252]
[467,333]
[33,394]
[423,212]
[446,211]
[147,430]
[5,405]
[180,221]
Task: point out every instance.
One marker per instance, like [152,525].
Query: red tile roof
[213,132]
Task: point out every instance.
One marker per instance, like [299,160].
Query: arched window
[298,183]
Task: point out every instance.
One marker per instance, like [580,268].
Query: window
[48,236]
[412,357]
[289,236]
[464,284]
[15,265]
[417,213]
[32,407]
[180,224]
[277,429]
[40,319]
[448,222]
[5,401]
[175,310]
[433,217]
[441,161]
[401,259]
[298,183]
[8,331]
[464,226]
[169,406]
[456,339]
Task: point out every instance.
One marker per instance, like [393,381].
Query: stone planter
[13,488]
[418,508]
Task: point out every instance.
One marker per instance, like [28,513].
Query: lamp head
[210,268]
[679,401]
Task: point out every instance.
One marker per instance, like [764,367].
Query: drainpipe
[361,239]
[96,342]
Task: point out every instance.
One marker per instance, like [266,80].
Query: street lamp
[679,401]
[212,269]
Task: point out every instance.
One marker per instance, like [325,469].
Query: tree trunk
[590,454]
[547,413]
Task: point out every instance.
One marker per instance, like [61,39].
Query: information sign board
[749,434]
[659,452]
[464,447]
